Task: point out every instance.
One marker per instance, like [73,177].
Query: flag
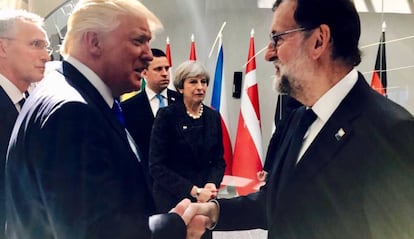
[193,56]
[168,54]
[379,76]
[247,159]
[219,102]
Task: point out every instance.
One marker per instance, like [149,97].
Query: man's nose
[271,52]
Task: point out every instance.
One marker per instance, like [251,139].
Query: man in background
[23,55]
[140,110]
[72,169]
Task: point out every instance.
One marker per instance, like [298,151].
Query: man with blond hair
[73,170]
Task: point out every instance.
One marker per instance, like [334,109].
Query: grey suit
[358,185]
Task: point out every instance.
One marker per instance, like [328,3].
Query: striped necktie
[117,111]
[23,100]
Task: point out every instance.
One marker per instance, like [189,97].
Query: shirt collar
[151,94]
[94,79]
[328,103]
[11,90]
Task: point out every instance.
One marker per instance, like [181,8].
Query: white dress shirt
[154,102]
[12,91]
[325,107]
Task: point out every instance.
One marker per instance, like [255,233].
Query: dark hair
[157,52]
[342,19]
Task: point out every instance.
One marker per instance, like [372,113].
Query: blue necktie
[117,110]
[160,100]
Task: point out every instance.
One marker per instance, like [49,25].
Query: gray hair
[9,17]
[189,69]
[102,16]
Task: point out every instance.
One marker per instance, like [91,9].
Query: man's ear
[3,50]
[144,73]
[93,41]
[322,39]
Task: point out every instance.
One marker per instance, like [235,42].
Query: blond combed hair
[102,16]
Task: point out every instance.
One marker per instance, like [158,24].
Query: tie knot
[23,100]
[307,118]
[160,100]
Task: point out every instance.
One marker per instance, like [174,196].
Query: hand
[212,188]
[261,176]
[196,224]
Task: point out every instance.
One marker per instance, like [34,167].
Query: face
[25,51]
[157,74]
[289,55]
[194,90]
[125,54]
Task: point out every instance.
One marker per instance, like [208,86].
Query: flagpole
[217,37]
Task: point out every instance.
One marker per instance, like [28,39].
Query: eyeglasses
[36,44]
[275,37]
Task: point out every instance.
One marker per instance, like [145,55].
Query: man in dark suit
[353,173]
[72,169]
[140,110]
[23,56]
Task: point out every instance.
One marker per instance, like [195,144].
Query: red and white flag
[168,53]
[193,56]
[219,102]
[247,159]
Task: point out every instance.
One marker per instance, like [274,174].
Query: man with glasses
[23,56]
[345,165]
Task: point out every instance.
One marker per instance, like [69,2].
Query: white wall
[181,18]
[204,18]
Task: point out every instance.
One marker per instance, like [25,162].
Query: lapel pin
[172,99]
[339,134]
[184,127]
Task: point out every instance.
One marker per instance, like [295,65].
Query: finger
[181,206]
[190,212]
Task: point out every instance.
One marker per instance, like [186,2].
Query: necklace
[198,115]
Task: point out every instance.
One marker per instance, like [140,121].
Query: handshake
[197,217]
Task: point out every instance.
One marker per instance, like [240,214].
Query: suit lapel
[172,96]
[334,135]
[8,110]
[91,95]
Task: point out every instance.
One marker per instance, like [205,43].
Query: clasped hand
[197,216]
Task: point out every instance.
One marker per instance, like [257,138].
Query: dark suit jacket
[8,115]
[359,185]
[139,119]
[71,172]
[283,114]
[184,152]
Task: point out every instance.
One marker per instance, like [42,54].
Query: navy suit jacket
[359,184]
[71,172]
[184,152]
[139,119]
[8,115]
